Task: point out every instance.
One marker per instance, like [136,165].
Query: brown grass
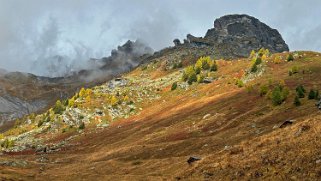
[236,142]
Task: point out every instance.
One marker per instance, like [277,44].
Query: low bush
[297,101]
[290,57]
[7,143]
[58,108]
[239,83]
[263,90]
[82,126]
[279,94]
[313,94]
[294,70]
[192,78]
[213,67]
[174,86]
[257,61]
[300,91]
[200,78]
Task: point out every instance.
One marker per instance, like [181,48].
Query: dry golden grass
[236,141]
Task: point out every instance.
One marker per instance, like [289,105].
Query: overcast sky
[33,31]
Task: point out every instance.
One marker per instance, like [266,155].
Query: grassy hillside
[138,127]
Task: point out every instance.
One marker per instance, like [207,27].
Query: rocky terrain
[184,113]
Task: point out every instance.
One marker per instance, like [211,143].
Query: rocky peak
[236,35]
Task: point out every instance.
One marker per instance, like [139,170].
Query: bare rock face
[126,57]
[237,35]
[13,107]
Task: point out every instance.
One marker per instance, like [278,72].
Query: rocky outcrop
[126,57]
[237,35]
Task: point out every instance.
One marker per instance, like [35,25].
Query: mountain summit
[236,35]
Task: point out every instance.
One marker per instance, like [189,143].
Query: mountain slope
[183,113]
[23,93]
[235,131]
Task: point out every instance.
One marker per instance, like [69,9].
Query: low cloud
[52,38]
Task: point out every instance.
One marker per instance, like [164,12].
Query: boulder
[286,123]
[208,80]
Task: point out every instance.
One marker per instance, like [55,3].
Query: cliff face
[236,35]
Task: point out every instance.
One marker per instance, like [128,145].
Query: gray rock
[193,159]
[16,163]
[235,36]
[286,123]
[207,116]
[240,34]
[208,80]
[177,42]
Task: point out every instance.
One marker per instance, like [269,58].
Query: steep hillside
[251,118]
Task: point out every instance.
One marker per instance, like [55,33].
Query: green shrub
[261,52]
[174,66]
[213,67]
[203,63]
[174,86]
[254,68]
[82,126]
[285,93]
[300,91]
[66,102]
[40,123]
[81,117]
[189,74]
[200,78]
[294,70]
[279,95]
[290,57]
[277,98]
[239,83]
[192,78]
[311,94]
[184,76]
[297,101]
[144,67]
[47,119]
[198,70]
[7,143]
[257,61]
[58,108]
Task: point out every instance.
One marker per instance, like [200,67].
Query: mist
[52,38]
